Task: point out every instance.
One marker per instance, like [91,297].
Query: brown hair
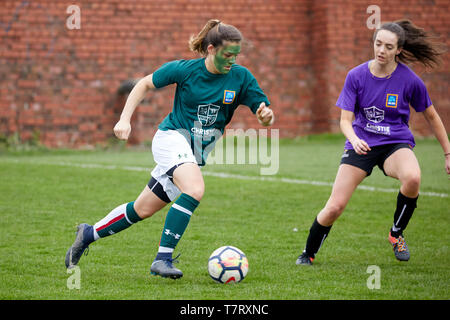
[214,32]
[416,43]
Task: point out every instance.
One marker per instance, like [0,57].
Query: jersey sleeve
[169,73]
[252,95]
[420,100]
[348,95]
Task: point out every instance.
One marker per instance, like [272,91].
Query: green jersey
[204,102]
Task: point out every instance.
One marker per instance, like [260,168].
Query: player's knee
[145,210]
[196,191]
[334,210]
[412,182]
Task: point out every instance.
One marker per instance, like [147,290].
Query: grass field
[44,195]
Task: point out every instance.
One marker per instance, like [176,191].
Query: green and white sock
[177,220]
[117,220]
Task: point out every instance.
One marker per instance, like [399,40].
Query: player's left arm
[439,131]
[265,115]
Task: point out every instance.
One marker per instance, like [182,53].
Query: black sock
[163,256]
[317,235]
[404,211]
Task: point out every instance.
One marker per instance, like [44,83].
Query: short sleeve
[168,73]
[252,95]
[347,98]
[420,100]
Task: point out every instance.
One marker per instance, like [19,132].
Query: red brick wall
[63,83]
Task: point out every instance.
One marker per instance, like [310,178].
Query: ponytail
[417,45]
[214,32]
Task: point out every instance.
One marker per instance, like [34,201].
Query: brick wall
[63,83]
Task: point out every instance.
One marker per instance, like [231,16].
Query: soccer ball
[227,264]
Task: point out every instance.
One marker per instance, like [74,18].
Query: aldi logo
[391,100]
[228,96]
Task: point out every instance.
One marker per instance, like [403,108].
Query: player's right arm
[122,129]
[360,146]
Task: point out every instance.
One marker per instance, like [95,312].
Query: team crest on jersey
[374,114]
[391,100]
[207,114]
[228,96]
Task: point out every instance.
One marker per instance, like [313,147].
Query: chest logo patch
[391,100]
[207,114]
[228,96]
[374,114]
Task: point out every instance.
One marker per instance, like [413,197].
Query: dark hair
[214,32]
[416,43]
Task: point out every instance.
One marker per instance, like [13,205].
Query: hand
[360,146]
[122,129]
[265,115]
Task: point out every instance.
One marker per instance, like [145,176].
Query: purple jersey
[381,105]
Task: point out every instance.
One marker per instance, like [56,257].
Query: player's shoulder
[404,68]
[187,64]
[175,71]
[238,69]
[359,70]
[356,75]
[241,72]
[184,68]
[407,73]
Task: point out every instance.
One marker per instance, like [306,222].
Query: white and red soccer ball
[228,264]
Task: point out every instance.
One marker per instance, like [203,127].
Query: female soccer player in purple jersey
[377,95]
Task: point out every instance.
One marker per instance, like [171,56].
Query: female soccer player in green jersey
[208,92]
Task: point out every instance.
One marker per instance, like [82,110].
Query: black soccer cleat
[304,260]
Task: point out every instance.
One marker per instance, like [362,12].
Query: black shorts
[376,156]
[158,189]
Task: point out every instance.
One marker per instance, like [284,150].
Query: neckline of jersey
[383,78]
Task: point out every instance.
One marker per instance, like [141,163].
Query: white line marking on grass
[226,176]
[312,182]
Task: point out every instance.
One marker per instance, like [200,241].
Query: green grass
[44,195]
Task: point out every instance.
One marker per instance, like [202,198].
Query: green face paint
[225,57]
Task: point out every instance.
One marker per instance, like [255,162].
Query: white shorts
[170,149]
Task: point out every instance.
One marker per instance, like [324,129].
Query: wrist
[446,154]
[125,118]
[353,140]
